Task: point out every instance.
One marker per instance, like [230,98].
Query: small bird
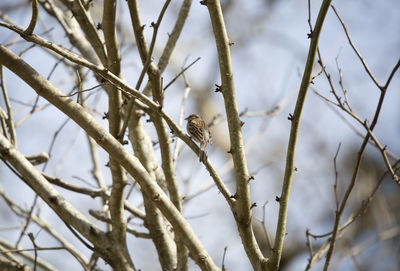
[199,131]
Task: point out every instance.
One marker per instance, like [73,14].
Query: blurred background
[269,51]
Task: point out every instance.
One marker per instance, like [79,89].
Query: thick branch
[295,119]
[114,120]
[160,236]
[173,37]
[242,208]
[155,222]
[72,30]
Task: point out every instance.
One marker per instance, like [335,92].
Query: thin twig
[28,220]
[265,226]
[356,51]
[333,106]
[54,67]
[394,70]
[181,113]
[336,177]
[180,73]
[35,247]
[346,100]
[309,246]
[75,188]
[223,259]
[82,91]
[382,149]
[53,140]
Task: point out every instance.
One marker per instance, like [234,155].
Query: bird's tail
[202,156]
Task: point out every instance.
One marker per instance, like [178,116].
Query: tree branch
[9,119]
[88,27]
[119,180]
[35,14]
[242,207]
[295,123]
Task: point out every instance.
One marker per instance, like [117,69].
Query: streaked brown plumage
[199,131]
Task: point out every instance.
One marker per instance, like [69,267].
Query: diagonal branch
[355,50]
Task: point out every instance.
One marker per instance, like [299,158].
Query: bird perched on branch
[199,131]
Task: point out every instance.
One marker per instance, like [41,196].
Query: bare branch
[32,24]
[9,119]
[295,122]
